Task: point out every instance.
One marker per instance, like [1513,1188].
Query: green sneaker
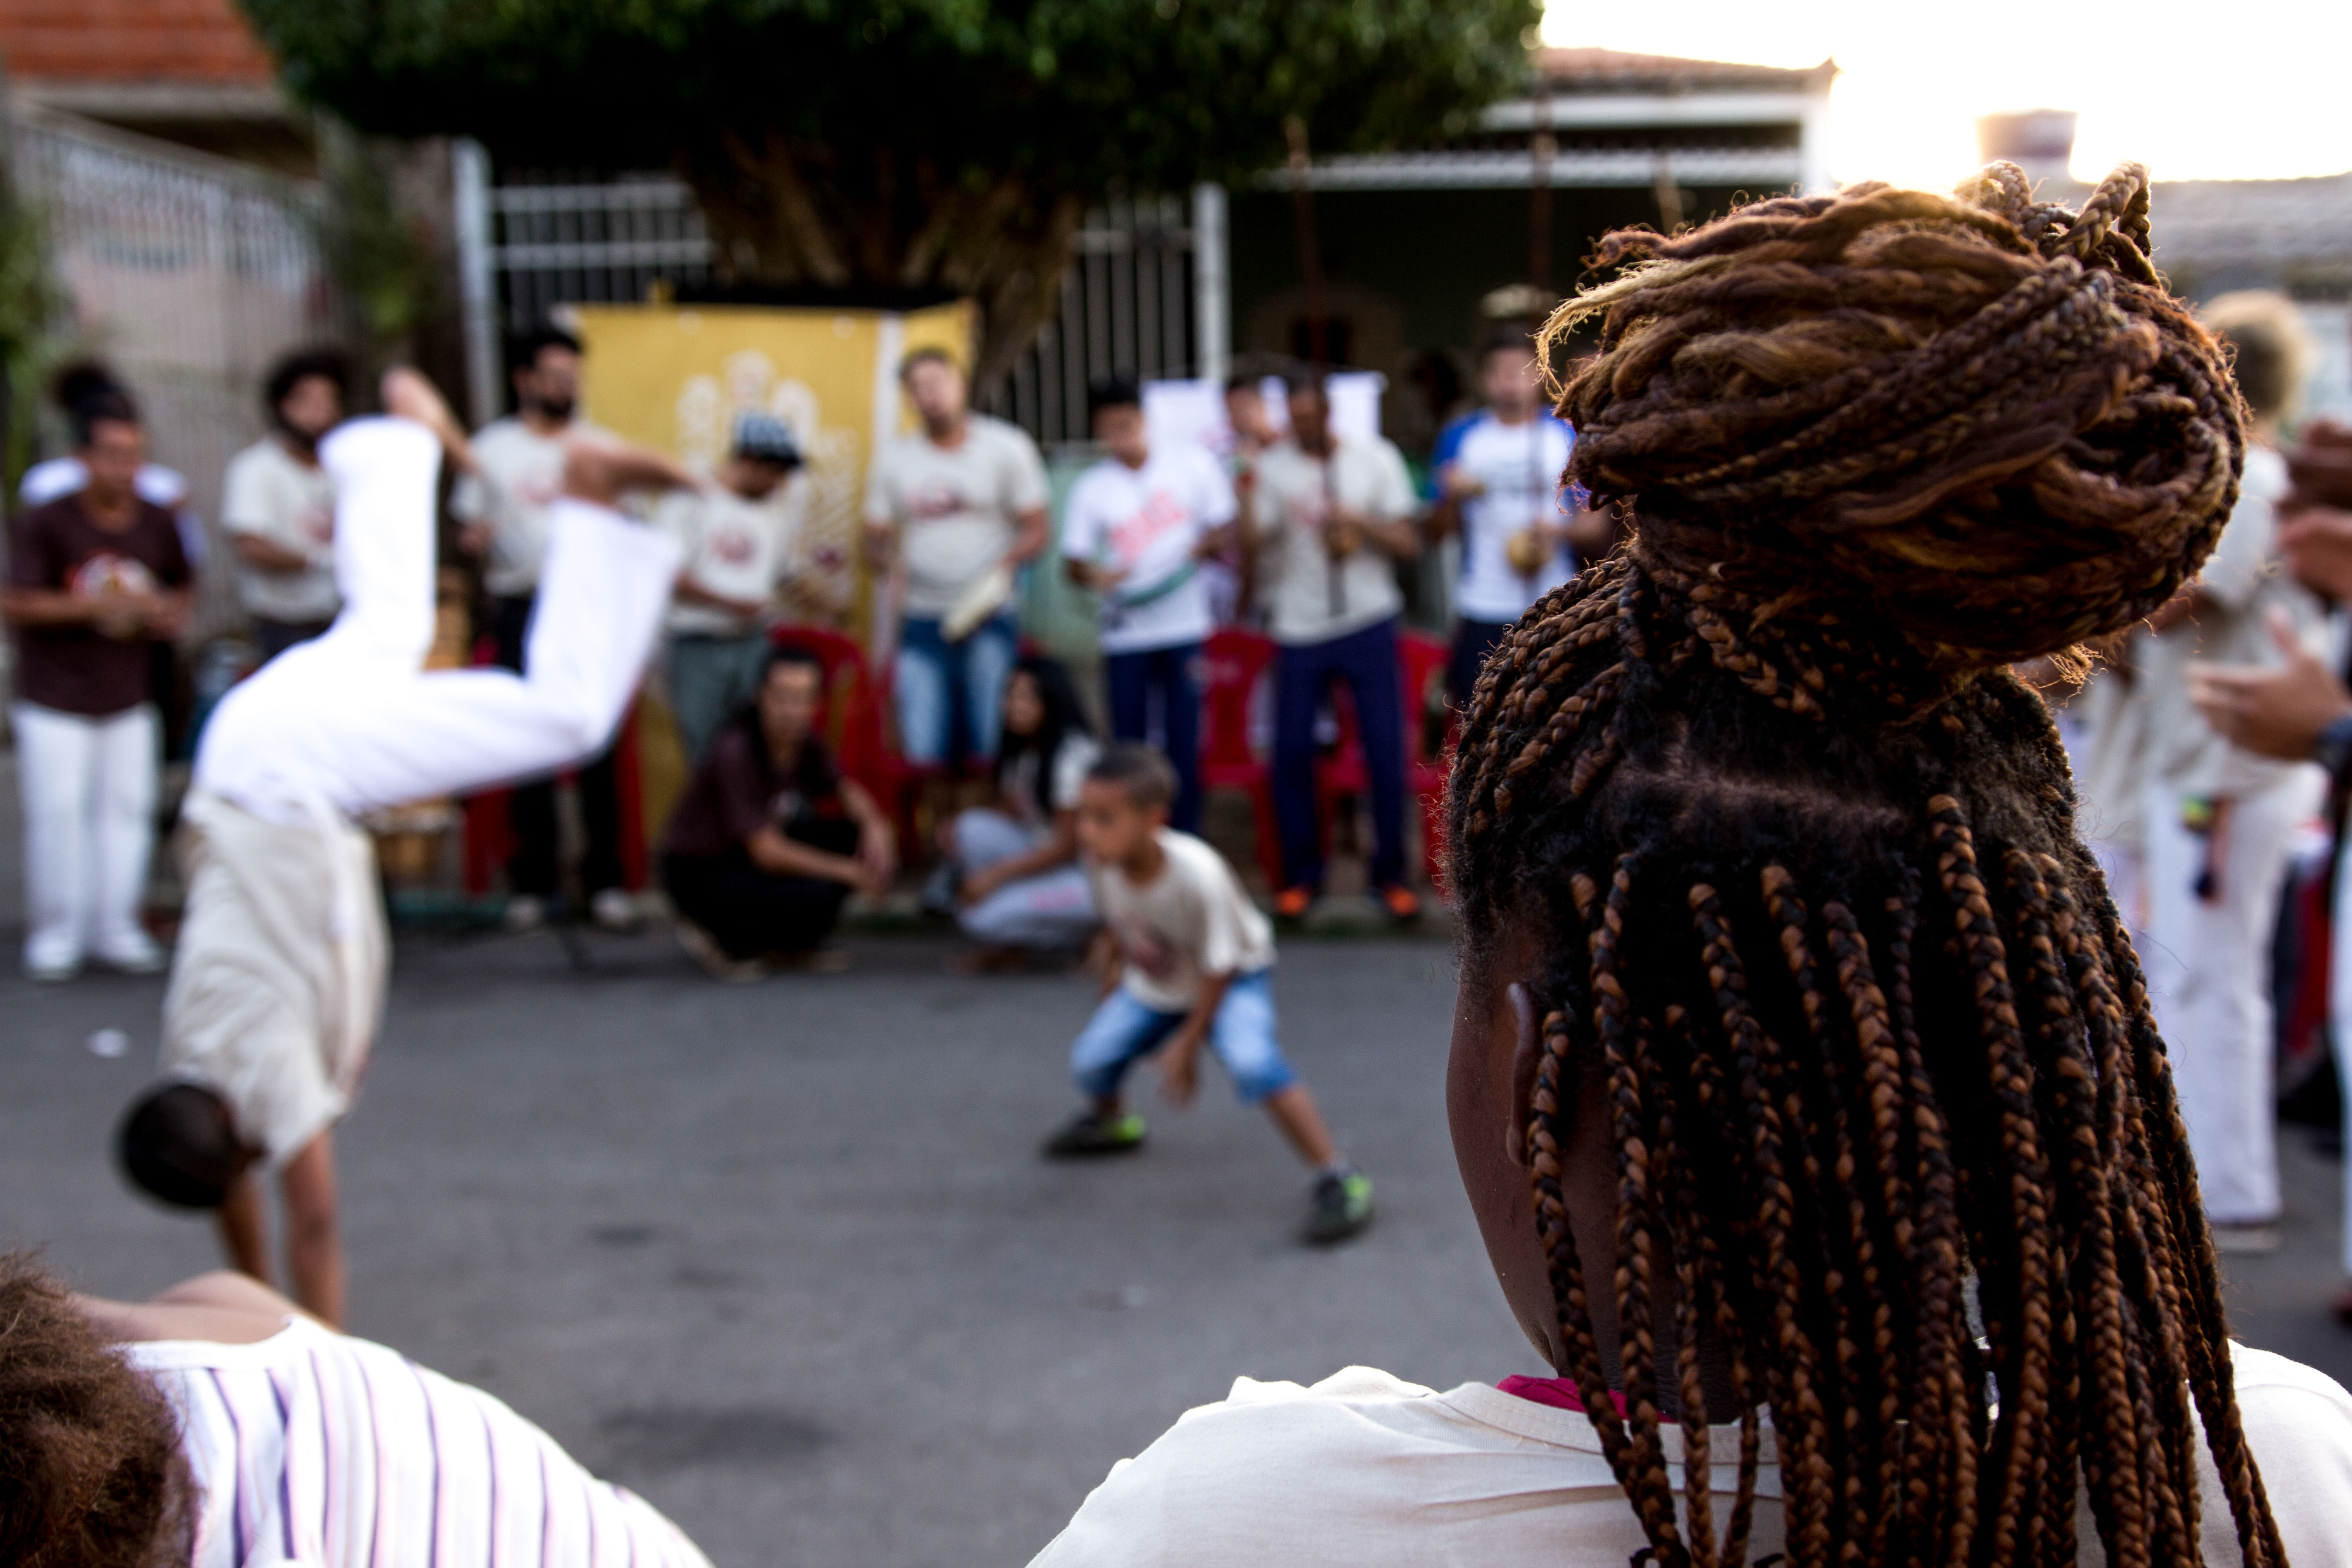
[1089,1134]
[1343,1206]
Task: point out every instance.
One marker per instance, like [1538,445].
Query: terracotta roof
[1616,70]
[178,41]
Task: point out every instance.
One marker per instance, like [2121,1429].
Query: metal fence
[1128,302]
[188,275]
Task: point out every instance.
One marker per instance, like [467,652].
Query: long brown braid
[1876,1056]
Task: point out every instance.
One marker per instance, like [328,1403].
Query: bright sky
[2241,89]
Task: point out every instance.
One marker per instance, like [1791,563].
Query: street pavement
[784,1258]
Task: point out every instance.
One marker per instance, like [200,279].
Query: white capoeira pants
[89,787]
[352,719]
[278,980]
[2208,971]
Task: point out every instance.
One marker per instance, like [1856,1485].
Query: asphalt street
[784,1258]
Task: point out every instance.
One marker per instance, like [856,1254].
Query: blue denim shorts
[1124,1030]
[950,696]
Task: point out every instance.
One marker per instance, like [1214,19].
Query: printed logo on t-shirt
[1159,513]
[317,524]
[107,572]
[1146,950]
[732,546]
[928,503]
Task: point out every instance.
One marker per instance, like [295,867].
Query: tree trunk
[800,215]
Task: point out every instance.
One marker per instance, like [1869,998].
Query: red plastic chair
[1233,662]
[1422,658]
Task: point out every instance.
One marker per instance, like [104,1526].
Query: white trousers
[2208,970]
[351,720]
[2339,1018]
[89,789]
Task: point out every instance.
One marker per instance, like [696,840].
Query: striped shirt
[317,1449]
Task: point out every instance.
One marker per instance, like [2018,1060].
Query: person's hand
[2276,712]
[1179,1070]
[164,615]
[2321,464]
[474,539]
[2317,544]
[877,857]
[1343,533]
[1102,576]
[118,613]
[1455,482]
[977,885]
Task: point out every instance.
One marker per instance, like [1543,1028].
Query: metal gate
[1133,301]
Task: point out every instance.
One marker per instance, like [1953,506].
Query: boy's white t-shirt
[1518,467]
[1149,522]
[270,494]
[1192,920]
[521,475]
[1311,602]
[742,549]
[1366,1470]
[957,509]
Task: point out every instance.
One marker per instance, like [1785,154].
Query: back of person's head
[2271,350]
[305,365]
[91,1473]
[1147,778]
[1788,860]
[178,1145]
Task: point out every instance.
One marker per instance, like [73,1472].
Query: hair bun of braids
[1976,422]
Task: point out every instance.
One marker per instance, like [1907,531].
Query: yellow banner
[675,376]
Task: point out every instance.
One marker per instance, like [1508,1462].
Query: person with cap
[740,540]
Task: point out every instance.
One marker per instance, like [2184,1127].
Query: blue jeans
[950,696]
[1133,678]
[1124,1030]
[711,680]
[1367,661]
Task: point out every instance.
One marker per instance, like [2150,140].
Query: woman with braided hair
[1803,1079]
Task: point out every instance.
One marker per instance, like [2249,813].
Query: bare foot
[408,396]
[601,469]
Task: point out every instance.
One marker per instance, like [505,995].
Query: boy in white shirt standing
[278,506]
[1331,519]
[1136,529]
[740,539]
[505,506]
[960,503]
[1194,968]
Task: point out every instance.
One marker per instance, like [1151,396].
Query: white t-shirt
[1365,1470]
[1149,522]
[1192,920]
[742,549]
[1311,602]
[1077,753]
[956,508]
[1519,467]
[274,496]
[521,475]
[312,1448]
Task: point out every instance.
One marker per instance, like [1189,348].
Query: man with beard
[504,508]
[278,506]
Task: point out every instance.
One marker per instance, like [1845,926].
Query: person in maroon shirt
[94,580]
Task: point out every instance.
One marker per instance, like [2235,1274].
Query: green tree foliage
[906,143]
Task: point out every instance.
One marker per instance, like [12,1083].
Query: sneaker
[525,912]
[1292,904]
[1087,1134]
[939,895]
[1343,1206]
[714,960]
[1399,902]
[146,958]
[2252,1239]
[52,971]
[613,909]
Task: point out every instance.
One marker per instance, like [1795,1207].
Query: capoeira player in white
[278,979]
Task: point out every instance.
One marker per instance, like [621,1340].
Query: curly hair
[91,1473]
[1876,1051]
